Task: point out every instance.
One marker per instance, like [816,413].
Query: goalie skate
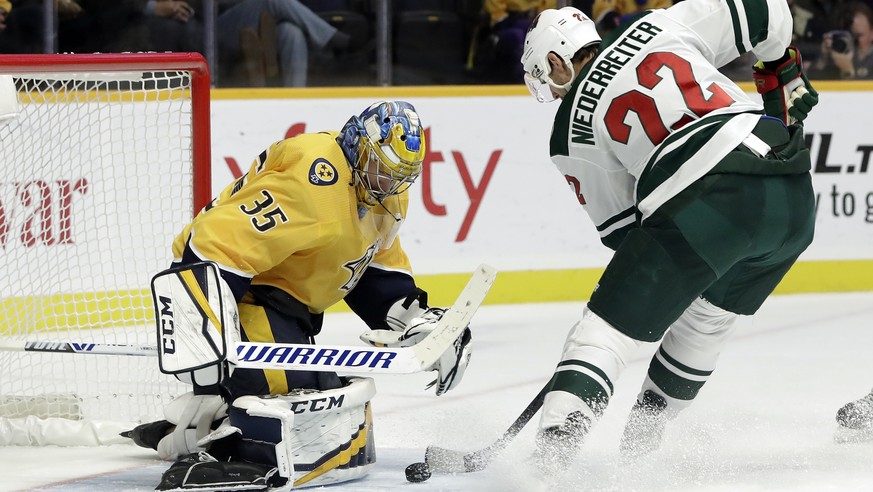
[855,421]
[201,472]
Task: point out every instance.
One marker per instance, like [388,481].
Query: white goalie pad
[322,437]
[197,319]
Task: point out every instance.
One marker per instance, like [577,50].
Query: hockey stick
[78,348]
[450,461]
[252,355]
[345,359]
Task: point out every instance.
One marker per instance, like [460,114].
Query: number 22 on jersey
[646,107]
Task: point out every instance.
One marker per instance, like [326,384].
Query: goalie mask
[563,32]
[385,147]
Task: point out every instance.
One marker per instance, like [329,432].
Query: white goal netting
[98,176]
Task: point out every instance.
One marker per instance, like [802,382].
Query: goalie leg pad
[312,437]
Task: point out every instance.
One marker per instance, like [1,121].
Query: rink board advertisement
[489,192]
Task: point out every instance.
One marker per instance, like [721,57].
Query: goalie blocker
[197,319]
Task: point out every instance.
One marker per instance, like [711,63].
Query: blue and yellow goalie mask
[385,148]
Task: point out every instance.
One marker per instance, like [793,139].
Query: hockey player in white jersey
[703,192]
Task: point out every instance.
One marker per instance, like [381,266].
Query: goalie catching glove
[784,88]
[451,365]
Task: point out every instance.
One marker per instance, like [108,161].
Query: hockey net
[104,159]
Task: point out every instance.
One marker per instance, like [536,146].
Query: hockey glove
[450,366]
[783,86]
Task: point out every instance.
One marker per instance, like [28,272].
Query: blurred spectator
[609,14]
[5,8]
[287,32]
[172,26]
[7,43]
[22,23]
[498,40]
[811,20]
[90,26]
[847,53]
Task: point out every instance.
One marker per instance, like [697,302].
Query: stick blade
[456,318]
[451,461]
[444,460]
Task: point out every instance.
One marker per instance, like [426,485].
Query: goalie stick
[338,358]
[451,461]
[252,355]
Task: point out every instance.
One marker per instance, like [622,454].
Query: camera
[841,41]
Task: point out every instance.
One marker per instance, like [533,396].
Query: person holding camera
[848,54]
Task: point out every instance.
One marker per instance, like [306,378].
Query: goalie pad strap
[402,312]
[193,417]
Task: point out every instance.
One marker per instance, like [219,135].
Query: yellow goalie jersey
[293,222]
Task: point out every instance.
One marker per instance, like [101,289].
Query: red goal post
[105,157]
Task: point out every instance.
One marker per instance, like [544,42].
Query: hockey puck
[417,472]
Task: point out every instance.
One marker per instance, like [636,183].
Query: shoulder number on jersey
[266,214]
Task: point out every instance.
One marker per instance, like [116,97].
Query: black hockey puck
[417,472]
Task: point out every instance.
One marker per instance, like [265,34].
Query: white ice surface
[764,421]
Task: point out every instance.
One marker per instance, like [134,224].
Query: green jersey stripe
[755,16]
[738,31]
[758,18]
[629,212]
[663,165]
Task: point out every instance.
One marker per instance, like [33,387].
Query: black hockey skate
[645,426]
[148,435]
[855,421]
[558,446]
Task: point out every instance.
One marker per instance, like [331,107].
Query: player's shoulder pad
[314,158]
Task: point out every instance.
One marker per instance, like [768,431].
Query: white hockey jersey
[651,113]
